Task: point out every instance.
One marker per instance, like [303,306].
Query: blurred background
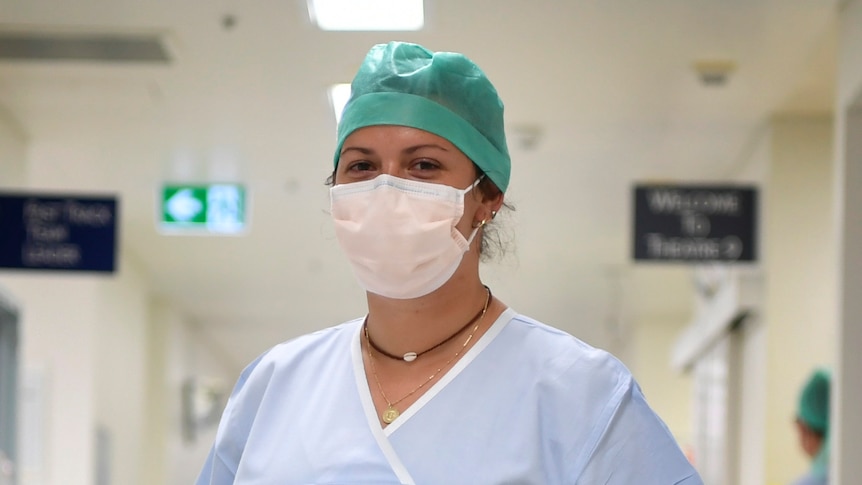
[117,376]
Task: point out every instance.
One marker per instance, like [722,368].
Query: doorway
[8,390]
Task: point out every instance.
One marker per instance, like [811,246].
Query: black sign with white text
[695,223]
[56,232]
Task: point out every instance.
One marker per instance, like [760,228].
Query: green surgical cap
[443,93]
[814,402]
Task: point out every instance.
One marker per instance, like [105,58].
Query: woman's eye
[360,166]
[425,165]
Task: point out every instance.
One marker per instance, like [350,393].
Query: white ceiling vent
[40,46]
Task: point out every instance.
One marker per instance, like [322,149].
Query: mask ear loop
[474,184]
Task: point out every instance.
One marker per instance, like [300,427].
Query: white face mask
[399,234]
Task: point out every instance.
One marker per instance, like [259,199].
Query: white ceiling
[609,83]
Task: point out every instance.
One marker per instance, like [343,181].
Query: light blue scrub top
[811,479]
[528,404]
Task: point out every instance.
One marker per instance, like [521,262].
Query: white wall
[668,392]
[95,352]
[752,406]
[83,340]
[13,144]
[57,348]
[81,348]
[176,352]
[181,353]
[850,46]
[794,328]
[58,321]
[120,369]
[799,253]
[751,340]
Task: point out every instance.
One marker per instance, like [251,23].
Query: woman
[440,383]
[812,426]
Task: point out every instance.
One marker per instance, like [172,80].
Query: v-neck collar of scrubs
[382,434]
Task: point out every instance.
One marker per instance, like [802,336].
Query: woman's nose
[392,167]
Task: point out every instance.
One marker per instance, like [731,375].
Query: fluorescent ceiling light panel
[394,15]
[338,96]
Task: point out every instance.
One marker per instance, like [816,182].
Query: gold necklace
[391,414]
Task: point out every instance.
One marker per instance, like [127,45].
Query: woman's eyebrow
[362,150]
[415,148]
[408,150]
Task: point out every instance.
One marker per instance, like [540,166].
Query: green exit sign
[215,208]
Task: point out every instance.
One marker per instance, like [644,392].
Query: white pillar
[846,468]
[847,434]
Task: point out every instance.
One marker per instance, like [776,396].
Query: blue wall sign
[695,223]
[58,232]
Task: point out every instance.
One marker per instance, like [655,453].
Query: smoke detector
[526,136]
[714,72]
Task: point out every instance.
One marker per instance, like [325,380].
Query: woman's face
[412,154]
[809,440]
[403,152]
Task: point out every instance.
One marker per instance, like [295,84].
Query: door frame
[9,377]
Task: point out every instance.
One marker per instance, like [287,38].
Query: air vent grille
[82,47]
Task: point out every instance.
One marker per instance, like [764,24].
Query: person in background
[439,383]
[812,425]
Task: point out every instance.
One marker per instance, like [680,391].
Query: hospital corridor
[431,242]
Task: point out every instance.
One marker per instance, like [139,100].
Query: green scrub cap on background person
[443,93]
[814,402]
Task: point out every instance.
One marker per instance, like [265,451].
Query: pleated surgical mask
[399,234]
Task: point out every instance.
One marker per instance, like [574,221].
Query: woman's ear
[491,205]
[489,196]
[496,204]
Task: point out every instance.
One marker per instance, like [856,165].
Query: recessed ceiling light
[394,15]
[338,96]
